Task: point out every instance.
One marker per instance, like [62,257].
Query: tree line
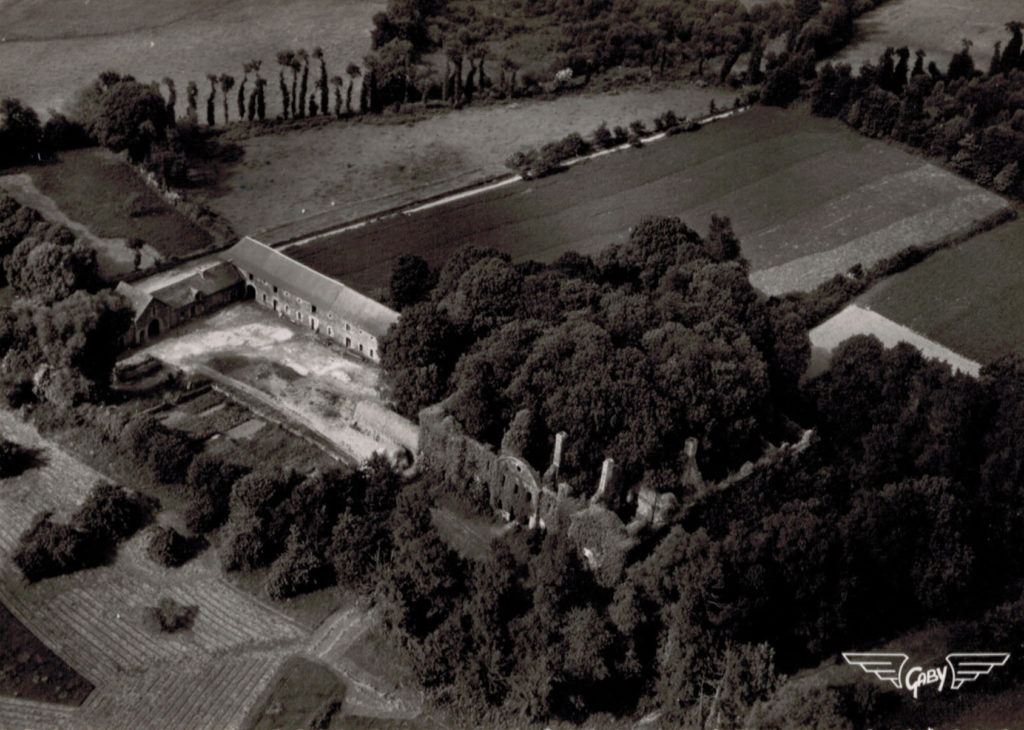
[969,118]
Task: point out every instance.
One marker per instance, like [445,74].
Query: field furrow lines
[219,709]
[20,714]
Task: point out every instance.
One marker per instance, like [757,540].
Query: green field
[52,48]
[91,186]
[808,197]
[968,298]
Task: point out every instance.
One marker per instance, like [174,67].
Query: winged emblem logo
[960,668]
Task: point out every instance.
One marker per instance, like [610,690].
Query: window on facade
[373,354]
[264,297]
[250,277]
[330,332]
[314,309]
[360,347]
[347,327]
[275,290]
[330,315]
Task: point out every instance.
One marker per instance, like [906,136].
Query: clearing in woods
[938,28]
[209,676]
[969,298]
[807,197]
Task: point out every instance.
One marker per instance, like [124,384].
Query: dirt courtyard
[282,365]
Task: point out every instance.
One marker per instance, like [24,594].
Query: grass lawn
[91,186]
[807,197]
[53,48]
[30,670]
[301,691]
[968,298]
[937,28]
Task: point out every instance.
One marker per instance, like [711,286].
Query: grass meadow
[936,27]
[808,198]
[92,187]
[968,298]
[51,48]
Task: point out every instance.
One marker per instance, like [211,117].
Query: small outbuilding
[200,293]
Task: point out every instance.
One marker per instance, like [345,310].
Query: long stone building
[311,299]
[253,270]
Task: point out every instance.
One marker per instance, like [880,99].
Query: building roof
[183,292]
[319,289]
[138,298]
[206,282]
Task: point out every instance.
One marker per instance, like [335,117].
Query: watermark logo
[959,669]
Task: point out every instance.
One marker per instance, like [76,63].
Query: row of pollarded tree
[298,100]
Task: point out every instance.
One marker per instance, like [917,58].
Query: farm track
[210,676]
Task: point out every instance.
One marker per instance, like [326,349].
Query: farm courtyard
[807,197]
[283,366]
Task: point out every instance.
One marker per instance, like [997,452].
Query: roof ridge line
[322,275]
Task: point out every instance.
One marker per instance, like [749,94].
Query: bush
[522,162]
[61,133]
[110,514]
[299,571]
[207,512]
[15,458]
[603,138]
[247,551]
[49,549]
[259,490]
[621,135]
[170,548]
[165,452]
[666,121]
[638,128]
[170,616]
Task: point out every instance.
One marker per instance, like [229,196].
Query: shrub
[165,452]
[621,135]
[299,571]
[15,458]
[48,549]
[110,514]
[666,121]
[170,616]
[603,138]
[170,548]
[638,128]
[522,162]
[259,490]
[206,513]
[247,551]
